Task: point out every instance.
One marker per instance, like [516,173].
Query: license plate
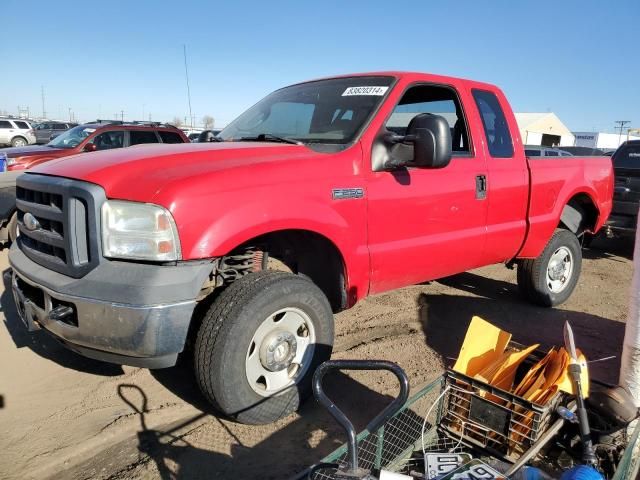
[3,162]
[438,464]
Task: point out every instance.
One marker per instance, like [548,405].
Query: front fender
[341,222]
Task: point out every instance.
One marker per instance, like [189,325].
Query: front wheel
[550,279]
[259,344]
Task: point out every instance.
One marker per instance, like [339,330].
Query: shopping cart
[396,439]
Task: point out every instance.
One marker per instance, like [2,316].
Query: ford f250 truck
[322,193]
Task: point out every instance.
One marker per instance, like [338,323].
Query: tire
[545,285]
[19,142]
[12,227]
[233,343]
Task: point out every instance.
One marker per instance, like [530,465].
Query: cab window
[436,100]
[109,140]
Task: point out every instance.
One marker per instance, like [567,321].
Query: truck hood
[31,150]
[140,173]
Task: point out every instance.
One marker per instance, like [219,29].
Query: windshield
[71,138]
[329,111]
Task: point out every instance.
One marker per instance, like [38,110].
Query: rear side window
[170,137]
[22,125]
[532,153]
[142,136]
[550,153]
[59,126]
[627,156]
[5,124]
[495,124]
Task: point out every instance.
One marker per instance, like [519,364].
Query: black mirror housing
[431,140]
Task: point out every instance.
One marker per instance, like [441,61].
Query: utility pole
[44,112]
[186,73]
[70,114]
[122,115]
[621,124]
[142,112]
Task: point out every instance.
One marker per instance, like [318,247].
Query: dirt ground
[67,417]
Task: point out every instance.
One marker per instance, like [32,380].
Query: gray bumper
[149,333]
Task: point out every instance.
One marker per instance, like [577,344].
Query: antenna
[621,124]
[186,73]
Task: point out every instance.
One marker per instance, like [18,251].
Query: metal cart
[407,426]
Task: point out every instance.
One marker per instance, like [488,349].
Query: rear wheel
[550,279]
[19,142]
[259,344]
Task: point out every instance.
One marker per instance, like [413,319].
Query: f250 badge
[344,193]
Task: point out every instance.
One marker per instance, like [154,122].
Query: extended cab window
[495,124]
[108,140]
[435,100]
[142,136]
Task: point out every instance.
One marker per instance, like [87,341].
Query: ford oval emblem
[30,222]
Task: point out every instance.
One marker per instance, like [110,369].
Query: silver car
[16,132]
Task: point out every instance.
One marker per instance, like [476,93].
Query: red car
[91,137]
[353,185]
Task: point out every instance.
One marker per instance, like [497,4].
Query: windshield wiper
[268,137]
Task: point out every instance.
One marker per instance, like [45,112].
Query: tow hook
[608,232]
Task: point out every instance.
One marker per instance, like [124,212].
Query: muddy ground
[67,417]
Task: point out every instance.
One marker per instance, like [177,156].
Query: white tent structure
[543,129]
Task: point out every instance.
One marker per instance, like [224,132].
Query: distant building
[602,140]
[543,129]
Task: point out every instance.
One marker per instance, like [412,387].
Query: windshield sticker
[378,91]
[89,130]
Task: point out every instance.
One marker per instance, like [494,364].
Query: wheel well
[309,254]
[19,136]
[579,214]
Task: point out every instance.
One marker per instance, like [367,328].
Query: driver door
[427,223]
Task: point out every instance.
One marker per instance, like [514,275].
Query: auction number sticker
[372,90]
[3,162]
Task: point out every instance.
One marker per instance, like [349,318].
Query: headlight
[139,231]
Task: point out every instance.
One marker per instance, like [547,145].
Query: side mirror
[90,147]
[427,144]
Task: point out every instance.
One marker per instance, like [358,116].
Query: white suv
[16,133]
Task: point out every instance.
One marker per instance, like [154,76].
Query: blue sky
[575,58]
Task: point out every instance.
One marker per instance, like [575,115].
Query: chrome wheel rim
[20,143]
[280,351]
[559,270]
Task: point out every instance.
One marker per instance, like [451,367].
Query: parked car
[626,198]
[536,151]
[585,151]
[47,131]
[207,136]
[356,185]
[89,137]
[16,132]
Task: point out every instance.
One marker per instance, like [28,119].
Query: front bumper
[114,313]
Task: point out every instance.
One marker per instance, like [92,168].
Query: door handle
[481,187]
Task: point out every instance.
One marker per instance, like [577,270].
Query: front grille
[57,219]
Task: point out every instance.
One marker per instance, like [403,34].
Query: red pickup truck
[322,193]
